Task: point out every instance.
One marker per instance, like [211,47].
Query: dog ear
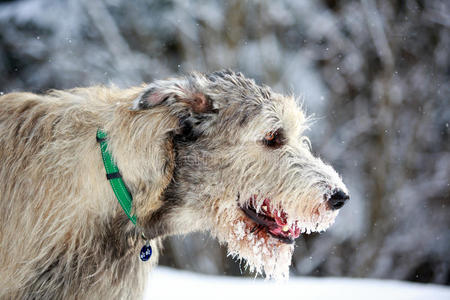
[173,93]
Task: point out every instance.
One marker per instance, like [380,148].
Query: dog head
[241,168]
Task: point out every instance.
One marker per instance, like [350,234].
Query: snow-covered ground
[166,283]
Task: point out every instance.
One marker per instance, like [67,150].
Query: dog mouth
[270,220]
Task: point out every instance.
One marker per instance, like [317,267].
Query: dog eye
[274,139]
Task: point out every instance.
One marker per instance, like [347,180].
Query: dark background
[374,73]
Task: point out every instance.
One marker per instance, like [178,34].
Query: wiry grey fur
[192,152]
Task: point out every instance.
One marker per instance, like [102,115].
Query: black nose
[337,199]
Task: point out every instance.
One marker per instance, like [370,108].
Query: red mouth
[272,220]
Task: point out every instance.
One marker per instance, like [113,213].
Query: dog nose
[337,199]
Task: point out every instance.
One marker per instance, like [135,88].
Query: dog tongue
[281,221]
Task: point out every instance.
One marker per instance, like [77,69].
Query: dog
[202,152]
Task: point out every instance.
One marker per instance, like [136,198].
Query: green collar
[115,179]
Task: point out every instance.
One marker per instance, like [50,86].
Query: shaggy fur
[193,152]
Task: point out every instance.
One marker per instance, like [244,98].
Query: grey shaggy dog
[205,152]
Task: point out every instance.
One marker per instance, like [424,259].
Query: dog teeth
[285,228]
